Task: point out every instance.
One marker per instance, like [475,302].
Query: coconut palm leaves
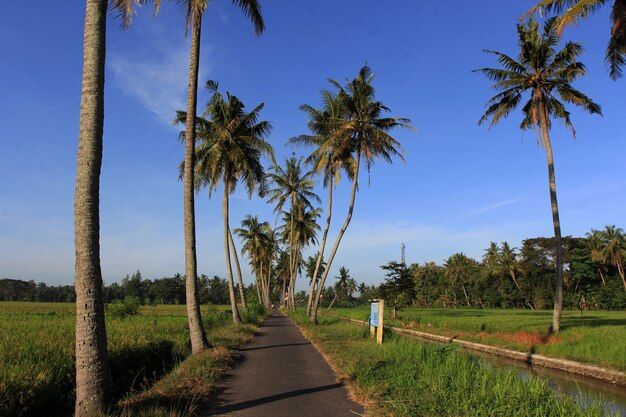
[573,11]
[545,76]
[231,144]
[354,125]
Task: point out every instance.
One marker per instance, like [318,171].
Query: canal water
[584,389]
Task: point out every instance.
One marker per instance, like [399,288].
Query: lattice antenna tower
[403,250]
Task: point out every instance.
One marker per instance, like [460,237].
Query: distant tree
[399,288]
[458,270]
[614,249]
[547,76]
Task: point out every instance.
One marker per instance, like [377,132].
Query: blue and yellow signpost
[376,319]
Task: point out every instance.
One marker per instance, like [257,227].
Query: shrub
[127,307]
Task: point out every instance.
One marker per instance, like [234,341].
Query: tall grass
[37,352]
[407,378]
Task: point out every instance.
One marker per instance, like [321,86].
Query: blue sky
[462,186]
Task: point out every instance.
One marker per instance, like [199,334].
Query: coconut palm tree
[546,76]
[614,249]
[299,229]
[329,157]
[573,11]
[458,270]
[361,131]
[257,244]
[194,11]
[293,185]
[93,378]
[595,244]
[231,144]
[507,260]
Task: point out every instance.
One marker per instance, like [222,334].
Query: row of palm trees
[347,131]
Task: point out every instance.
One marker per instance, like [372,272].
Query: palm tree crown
[572,11]
[541,71]
[231,142]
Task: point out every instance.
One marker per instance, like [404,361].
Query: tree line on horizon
[349,133]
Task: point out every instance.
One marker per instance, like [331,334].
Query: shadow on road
[264,400]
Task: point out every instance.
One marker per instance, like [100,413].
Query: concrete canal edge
[578,368]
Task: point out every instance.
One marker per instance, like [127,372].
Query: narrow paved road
[282,374]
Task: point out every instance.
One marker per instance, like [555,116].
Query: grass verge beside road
[595,337]
[409,378]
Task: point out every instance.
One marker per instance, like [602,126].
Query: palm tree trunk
[196,329]
[602,276]
[515,280]
[318,294]
[466,297]
[93,378]
[229,268]
[292,281]
[620,269]
[259,285]
[283,301]
[320,256]
[242,293]
[558,294]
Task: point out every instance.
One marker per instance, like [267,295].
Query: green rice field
[37,352]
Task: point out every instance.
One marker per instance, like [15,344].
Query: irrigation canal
[583,389]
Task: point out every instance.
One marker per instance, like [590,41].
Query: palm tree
[93,378]
[194,10]
[328,158]
[231,143]
[361,131]
[509,263]
[614,249]
[299,229]
[257,244]
[458,270]
[546,75]
[574,11]
[595,244]
[293,185]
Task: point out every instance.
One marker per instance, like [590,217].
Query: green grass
[37,353]
[408,378]
[595,337]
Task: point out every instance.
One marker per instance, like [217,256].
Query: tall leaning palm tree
[362,131]
[194,11]
[573,11]
[231,144]
[329,157]
[546,76]
[93,379]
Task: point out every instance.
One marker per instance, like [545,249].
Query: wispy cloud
[156,78]
[485,209]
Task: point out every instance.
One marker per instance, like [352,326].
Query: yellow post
[381,310]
